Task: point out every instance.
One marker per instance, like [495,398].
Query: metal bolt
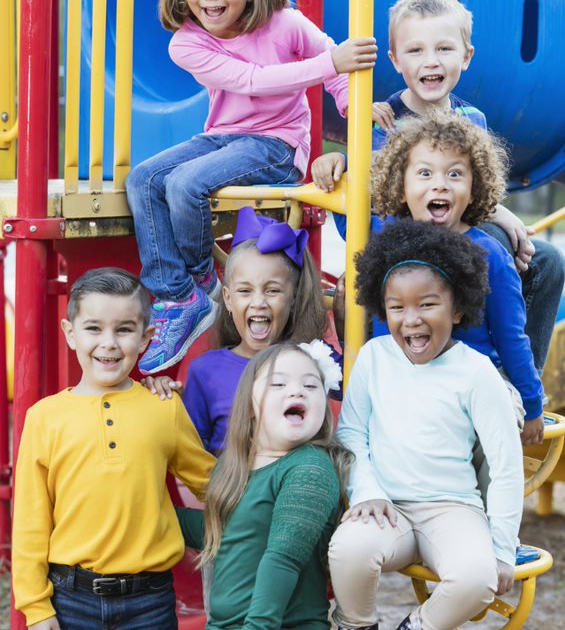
[258,203]
[8,228]
[5,117]
[96,207]
[33,229]
[214,202]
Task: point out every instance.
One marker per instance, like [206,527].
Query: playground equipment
[57,220]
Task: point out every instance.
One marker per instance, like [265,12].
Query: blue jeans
[168,197]
[542,285]
[78,608]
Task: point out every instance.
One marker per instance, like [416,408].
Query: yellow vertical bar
[72,95]
[122,114]
[8,56]
[97,93]
[358,172]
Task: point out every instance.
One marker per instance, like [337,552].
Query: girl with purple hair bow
[271,293]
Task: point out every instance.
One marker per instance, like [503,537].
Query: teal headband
[416,262]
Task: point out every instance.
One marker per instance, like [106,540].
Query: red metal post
[314,11]
[31,257]
[54,95]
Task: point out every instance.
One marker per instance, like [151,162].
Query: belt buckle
[107,586]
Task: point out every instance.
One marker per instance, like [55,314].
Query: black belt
[118,584]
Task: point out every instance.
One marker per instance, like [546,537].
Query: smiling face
[259,295]
[289,402]
[430,54]
[108,334]
[420,313]
[219,17]
[438,186]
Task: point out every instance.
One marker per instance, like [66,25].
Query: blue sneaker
[210,284]
[177,326]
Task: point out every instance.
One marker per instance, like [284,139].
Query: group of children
[426,463]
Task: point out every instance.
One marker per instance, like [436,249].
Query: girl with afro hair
[417,400]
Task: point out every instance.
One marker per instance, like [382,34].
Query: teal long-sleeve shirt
[270,570]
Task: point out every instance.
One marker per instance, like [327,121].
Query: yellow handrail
[549,221]
[358,173]
[9,22]
[72,98]
[97,94]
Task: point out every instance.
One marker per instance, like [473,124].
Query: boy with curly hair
[430,45]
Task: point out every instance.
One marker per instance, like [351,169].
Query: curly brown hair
[446,130]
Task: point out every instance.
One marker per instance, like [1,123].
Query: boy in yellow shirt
[95,532]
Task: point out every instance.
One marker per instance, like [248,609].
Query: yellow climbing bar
[8,74]
[97,94]
[72,96]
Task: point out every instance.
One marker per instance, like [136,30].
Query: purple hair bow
[271,235]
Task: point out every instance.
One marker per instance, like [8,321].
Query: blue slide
[516,78]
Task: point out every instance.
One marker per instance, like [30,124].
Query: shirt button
[112,445]
[109,422]
[106,405]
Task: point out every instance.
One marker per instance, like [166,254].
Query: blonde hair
[443,130]
[430,8]
[308,317]
[257,13]
[231,475]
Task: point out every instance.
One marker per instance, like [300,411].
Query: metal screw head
[8,227]
[5,117]
[33,229]
[96,207]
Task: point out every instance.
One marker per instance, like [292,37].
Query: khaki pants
[450,538]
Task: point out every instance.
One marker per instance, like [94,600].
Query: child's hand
[355,54]
[379,508]
[383,115]
[519,235]
[505,577]
[328,169]
[533,431]
[163,386]
[339,307]
[47,624]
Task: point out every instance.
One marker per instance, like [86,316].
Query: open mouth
[432,79]
[295,413]
[417,343]
[439,208]
[214,12]
[259,327]
[107,361]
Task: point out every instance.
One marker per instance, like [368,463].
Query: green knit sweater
[270,570]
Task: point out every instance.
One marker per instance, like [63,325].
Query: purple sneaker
[210,284]
[177,326]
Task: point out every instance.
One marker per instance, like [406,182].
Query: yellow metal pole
[97,94]
[72,98]
[8,56]
[122,113]
[358,172]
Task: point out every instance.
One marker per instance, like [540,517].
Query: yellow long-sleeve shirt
[90,488]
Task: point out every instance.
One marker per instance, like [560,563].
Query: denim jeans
[542,285]
[78,608]
[168,197]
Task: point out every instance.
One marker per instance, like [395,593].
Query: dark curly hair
[446,130]
[455,254]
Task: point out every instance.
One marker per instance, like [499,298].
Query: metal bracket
[45,229]
[313,216]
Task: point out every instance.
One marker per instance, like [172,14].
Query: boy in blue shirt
[430,45]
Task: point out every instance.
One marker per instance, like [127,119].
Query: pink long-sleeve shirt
[257,81]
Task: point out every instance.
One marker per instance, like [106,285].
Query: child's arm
[305,506]
[383,115]
[32,525]
[327,169]
[190,463]
[495,425]
[518,233]
[191,523]
[48,624]
[162,386]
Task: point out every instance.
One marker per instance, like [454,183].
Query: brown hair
[308,318]
[443,130]
[430,8]
[231,474]
[257,13]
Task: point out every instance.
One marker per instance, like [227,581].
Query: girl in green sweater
[275,495]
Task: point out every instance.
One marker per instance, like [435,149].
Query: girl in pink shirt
[256,58]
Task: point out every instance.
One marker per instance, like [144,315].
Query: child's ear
[227,297]
[457,317]
[67,328]
[147,335]
[394,62]
[467,58]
